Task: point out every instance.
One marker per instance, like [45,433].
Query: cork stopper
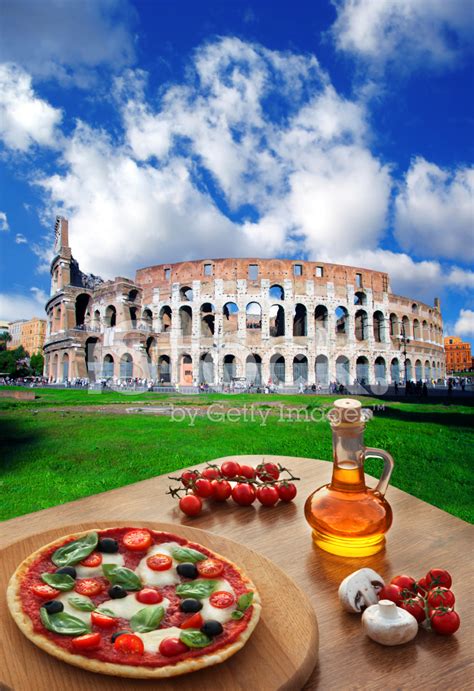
[346,411]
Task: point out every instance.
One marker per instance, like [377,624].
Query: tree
[37,364]
[14,363]
[5,337]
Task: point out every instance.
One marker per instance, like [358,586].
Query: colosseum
[226,322]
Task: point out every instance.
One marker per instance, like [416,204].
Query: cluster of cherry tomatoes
[429,600]
[268,483]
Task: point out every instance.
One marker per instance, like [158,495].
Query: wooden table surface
[421,537]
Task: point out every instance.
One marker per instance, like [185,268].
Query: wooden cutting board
[280,654]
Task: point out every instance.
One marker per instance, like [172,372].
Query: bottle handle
[387,467]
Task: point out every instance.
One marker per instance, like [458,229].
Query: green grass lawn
[52,457]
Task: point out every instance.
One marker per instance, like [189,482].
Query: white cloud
[419,279]
[250,131]
[67,40]
[20,239]
[4,225]
[435,211]
[464,326]
[405,32]
[25,119]
[15,306]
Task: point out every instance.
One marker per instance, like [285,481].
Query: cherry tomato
[45,592]
[268,471]
[445,622]
[87,641]
[422,586]
[405,583]
[203,487]
[247,471]
[230,469]
[102,620]
[222,599]
[130,644]
[89,586]
[391,592]
[436,577]
[159,562]
[94,559]
[137,540]
[190,505]
[244,494]
[287,491]
[188,477]
[221,490]
[211,473]
[415,606]
[268,496]
[440,597]
[149,596]
[194,622]
[172,646]
[210,568]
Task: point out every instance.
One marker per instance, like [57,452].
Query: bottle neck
[348,451]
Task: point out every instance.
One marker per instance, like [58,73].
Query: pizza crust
[25,624]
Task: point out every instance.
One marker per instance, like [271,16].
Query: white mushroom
[388,624]
[359,590]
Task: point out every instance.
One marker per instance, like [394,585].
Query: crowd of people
[411,388]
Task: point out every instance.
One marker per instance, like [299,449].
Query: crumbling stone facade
[227,321]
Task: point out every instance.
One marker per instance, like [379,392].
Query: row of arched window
[413,330]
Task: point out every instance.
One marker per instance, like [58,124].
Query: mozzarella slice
[94,571]
[152,639]
[69,609]
[126,607]
[217,613]
[159,578]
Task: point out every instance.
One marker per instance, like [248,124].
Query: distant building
[4,325]
[458,354]
[30,334]
[15,332]
[33,335]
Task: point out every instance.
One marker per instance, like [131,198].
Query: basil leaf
[187,554]
[81,603]
[75,551]
[194,638]
[120,575]
[107,612]
[60,581]
[197,589]
[236,614]
[63,623]
[244,601]
[147,619]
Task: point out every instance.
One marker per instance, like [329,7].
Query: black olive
[53,606]
[187,570]
[108,545]
[116,592]
[68,570]
[190,605]
[117,634]
[212,628]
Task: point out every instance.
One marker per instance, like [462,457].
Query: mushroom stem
[388,609]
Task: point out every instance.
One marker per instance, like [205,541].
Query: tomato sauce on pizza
[134,597]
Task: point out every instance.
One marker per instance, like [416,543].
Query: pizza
[133,602]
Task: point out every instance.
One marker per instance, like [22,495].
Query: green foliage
[13,362]
[37,364]
[5,338]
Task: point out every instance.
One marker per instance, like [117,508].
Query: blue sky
[339,131]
